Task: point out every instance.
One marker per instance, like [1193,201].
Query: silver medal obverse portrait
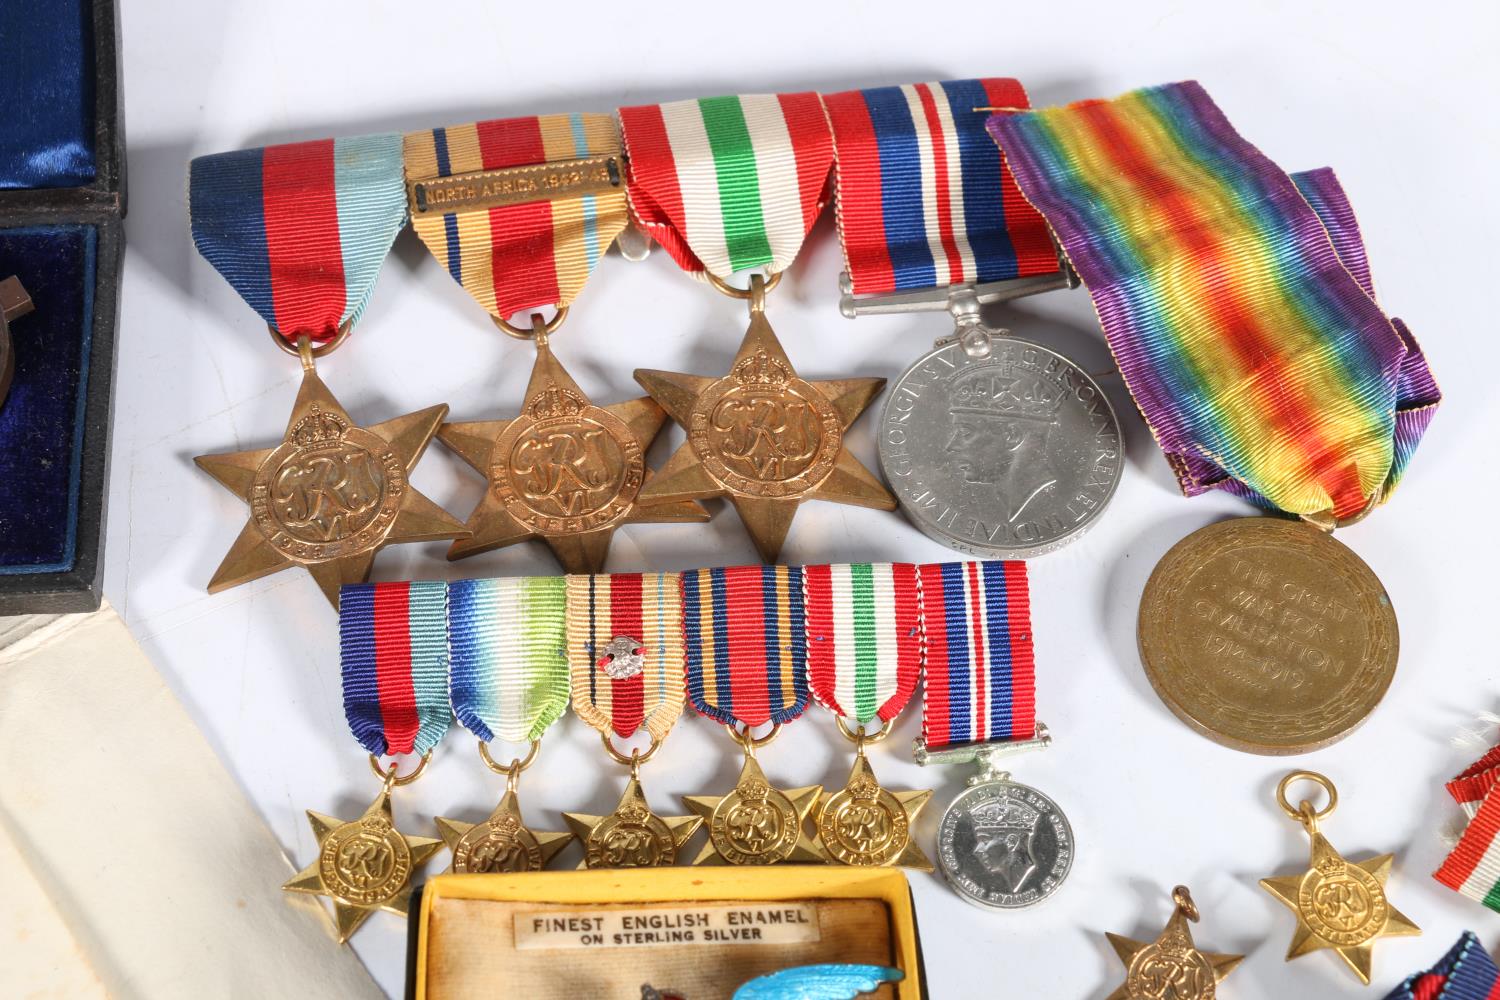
[1004,846]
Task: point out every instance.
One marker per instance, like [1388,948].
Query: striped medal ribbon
[925,200]
[300,230]
[864,648]
[729,183]
[1472,868]
[518,236]
[1245,339]
[746,644]
[1466,973]
[625,650]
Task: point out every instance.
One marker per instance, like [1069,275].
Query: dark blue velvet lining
[42,420]
[47,79]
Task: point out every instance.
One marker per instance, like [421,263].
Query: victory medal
[1171,966]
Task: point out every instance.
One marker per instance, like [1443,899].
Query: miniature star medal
[1171,965]
[852,611]
[394,669]
[747,668]
[508,680]
[625,653]
[519,211]
[300,231]
[1339,904]
[760,435]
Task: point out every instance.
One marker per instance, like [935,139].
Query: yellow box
[544,934]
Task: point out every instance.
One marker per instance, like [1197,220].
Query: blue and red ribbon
[746,643]
[394,643]
[1466,973]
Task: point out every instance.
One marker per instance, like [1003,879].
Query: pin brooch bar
[968,753]
[517,185]
[939,299]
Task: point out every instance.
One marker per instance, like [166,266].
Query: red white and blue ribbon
[980,668]
[1466,973]
[924,198]
[394,642]
[864,646]
[301,230]
[746,643]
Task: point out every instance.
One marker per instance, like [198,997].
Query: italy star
[864,824]
[363,865]
[756,824]
[764,438]
[501,843]
[632,836]
[565,471]
[330,496]
[1171,965]
[1340,905]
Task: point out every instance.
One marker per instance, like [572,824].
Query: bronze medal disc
[1267,635]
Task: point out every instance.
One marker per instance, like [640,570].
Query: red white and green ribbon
[1473,867]
[394,657]
[746,643]
[625,651]
[864,647]
[729,183]
[507,637]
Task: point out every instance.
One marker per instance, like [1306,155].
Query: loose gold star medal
[1171,965]
[1339,904]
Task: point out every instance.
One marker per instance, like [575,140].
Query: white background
[1400,99]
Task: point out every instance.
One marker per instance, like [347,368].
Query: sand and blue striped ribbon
[925,199]
[1245,340]
[1466,973]
[646,610]
[746,643]
[513,258]
[507,639]
[979,664]
[729,183]
[394,653]
[864,647]
[300,230]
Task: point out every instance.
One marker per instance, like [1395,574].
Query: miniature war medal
[625,656]
[1237,301]
[747,667]
[1171,965]
[509,681]
[727,184]
[864,653]
[994,445]
[1001,844]
[395,676]
[300,231]
[519,211]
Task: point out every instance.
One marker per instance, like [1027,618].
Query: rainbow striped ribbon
[393,638]
[513,258]
[980,666]
[625,648]
[746,644]
[300,230]
[507,640]
[864,648]
[1243,338]
[925,199]
[1466,973]
[729,183]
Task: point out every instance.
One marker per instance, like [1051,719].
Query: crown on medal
[1330,866]
[1005,815]
[378,825]
[505,826]
[633,814]
[318,429]
[555,402]
[997,393]
[761,369]
[864,788]
[755,790]
[1175,941]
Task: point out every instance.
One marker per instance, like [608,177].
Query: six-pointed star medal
[1171,965]
[330,496]
[764,438]
[565,471]
[632,836]
[1340,905]
[502,843]
[363,865]
[756,824]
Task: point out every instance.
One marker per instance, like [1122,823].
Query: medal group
[1238,305]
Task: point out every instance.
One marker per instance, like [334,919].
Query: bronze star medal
[1172,965]
[864,824]
[331,495]
[764,438]
[501,843]
[632,836]
[363,865]
[565,471]
[756,824]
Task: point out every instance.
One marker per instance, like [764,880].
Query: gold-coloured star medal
[300,231]
[763,684]
[1339,904]
[760,435]
[1171,965]
[508,680]
[625,653]
[520,211]
[366,864]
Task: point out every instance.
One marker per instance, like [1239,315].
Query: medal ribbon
[513,258]
[645,608]
[1473,867]
[1242,337]
[1466,973]
[394,643]
[746,643]
[979,663]
[300,230]
[864,648]
[925,199]
[507,640]
[729,183]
